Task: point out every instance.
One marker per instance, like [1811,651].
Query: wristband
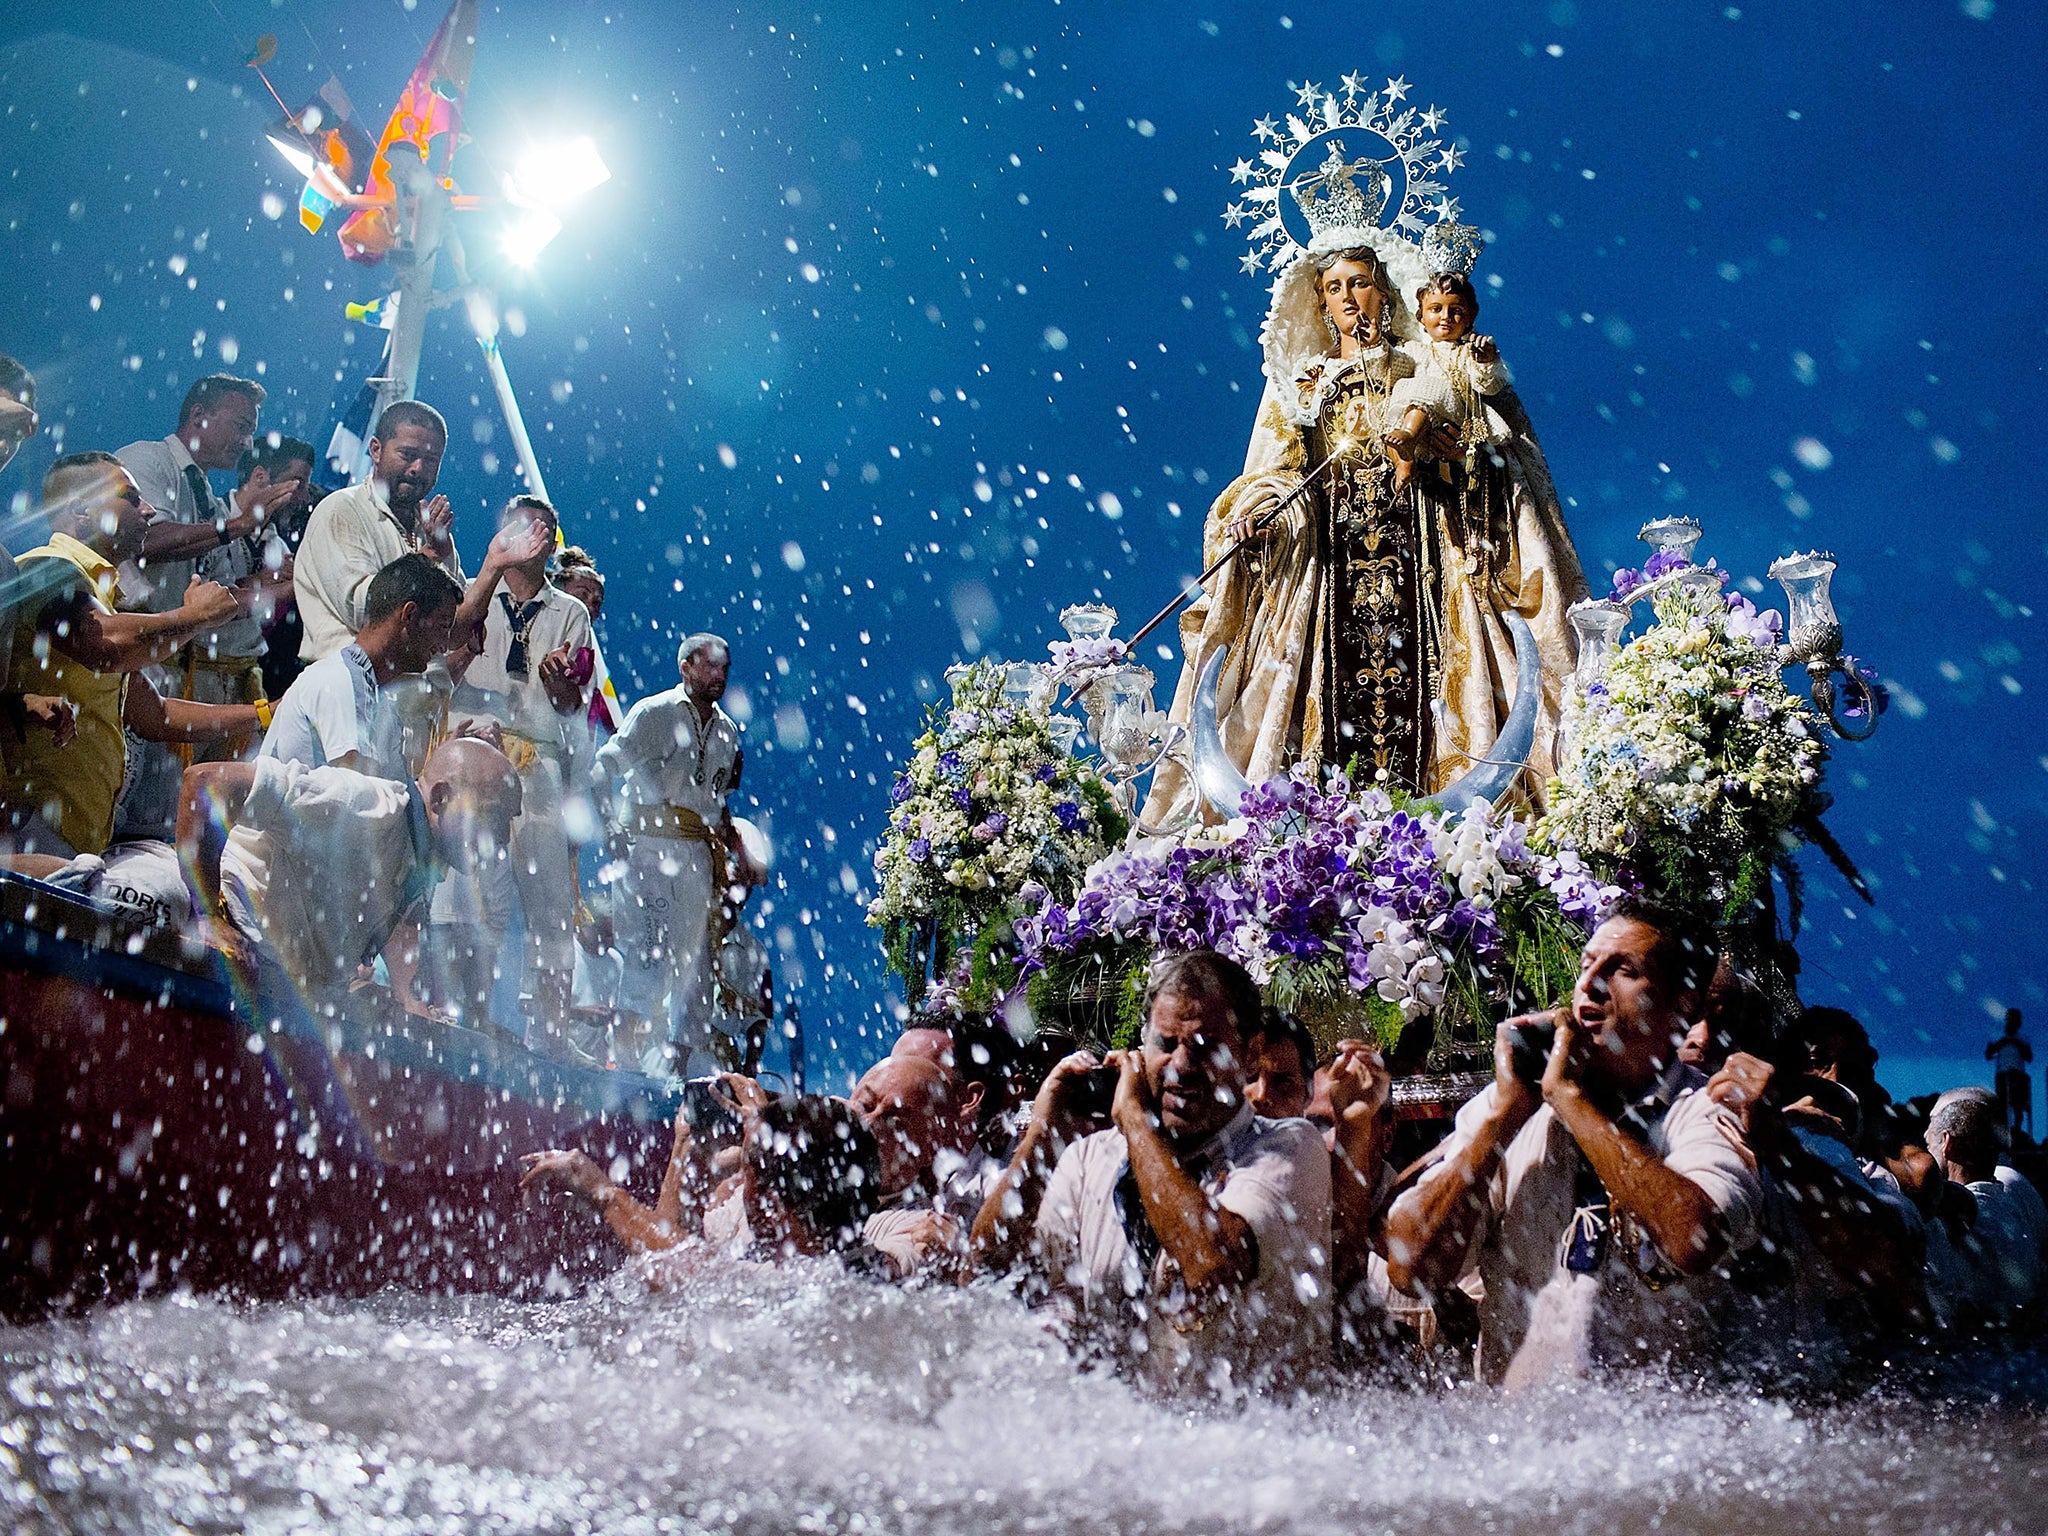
[264,713]
[220,531]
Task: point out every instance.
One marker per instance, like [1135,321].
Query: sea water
[744,1399]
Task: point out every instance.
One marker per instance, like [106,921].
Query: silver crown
[1450,248]
[1332,197]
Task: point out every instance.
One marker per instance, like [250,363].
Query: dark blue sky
[883,299]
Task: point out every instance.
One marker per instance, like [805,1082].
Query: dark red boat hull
[160,1127]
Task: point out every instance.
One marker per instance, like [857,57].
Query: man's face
[1272,1078]
[407,464]
[299,474]
[18,423]
[1191,1054]
[217,435]
[472,819]
[704,674]
[422,636]
[1625,1006]
[910,1105]
[586,591]
[113,512]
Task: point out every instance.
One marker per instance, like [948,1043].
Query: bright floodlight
[294,150]
[553,175]
[528,235]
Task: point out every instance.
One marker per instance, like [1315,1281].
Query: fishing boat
[165,1123]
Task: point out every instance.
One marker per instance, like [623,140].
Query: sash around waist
[676,821]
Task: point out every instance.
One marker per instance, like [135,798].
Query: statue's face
[1351,295]
[1447,316]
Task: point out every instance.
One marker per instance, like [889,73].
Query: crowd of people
[1661,1174]
[287,720]
[292,721]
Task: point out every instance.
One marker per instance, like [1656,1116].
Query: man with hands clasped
[1600,1204]
[1190,1236]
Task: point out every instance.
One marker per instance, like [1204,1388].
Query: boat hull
[164,1123]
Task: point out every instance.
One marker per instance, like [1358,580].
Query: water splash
[751,1400]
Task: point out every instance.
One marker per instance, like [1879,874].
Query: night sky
[898,329]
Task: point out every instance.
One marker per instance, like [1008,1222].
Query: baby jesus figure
[1454,372]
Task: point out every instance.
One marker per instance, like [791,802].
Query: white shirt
[664,754]
[521,705]
[334,708]
[1275,1174]
[351,536]
[963,1183]
[1539,1318]
[2006,1247]
[158,466]
[322,866]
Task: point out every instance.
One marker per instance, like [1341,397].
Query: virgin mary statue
[1364,618]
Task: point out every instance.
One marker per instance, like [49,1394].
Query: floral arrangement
[1687,769]
[1347,908]
[988,807]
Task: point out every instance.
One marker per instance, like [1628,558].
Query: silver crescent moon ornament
[1494,775]
[1218,778]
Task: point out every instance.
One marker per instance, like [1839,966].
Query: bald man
[924,1116]
[325,868]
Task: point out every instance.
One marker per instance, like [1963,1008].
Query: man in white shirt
[661,787]
[325,868]
[1192,1237]
[2003,1247]
[1599,1204]
[522,679]
[935,1175]
[336,714]
[354,533]
[195,531]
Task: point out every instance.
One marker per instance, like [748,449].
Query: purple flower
[919,850]
[1046,773]
[1663,563]
[900,790]
[1626,580]
[966,721]
[1069,814]
[949,764]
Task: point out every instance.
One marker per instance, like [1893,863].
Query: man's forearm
[476,601]
[210,798]
[1354,1180]
[170,541]
[1009,1214]
[128,642]
[183,721]
[1676,1212]
[1430,1229]
[1213,1247]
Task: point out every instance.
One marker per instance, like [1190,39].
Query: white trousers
[661,924]
[539,867]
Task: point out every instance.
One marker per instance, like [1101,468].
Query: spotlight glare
[528,235]
[553,175]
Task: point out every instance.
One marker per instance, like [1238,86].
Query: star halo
[1411,133]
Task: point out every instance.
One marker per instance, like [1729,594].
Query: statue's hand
[1252,517]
